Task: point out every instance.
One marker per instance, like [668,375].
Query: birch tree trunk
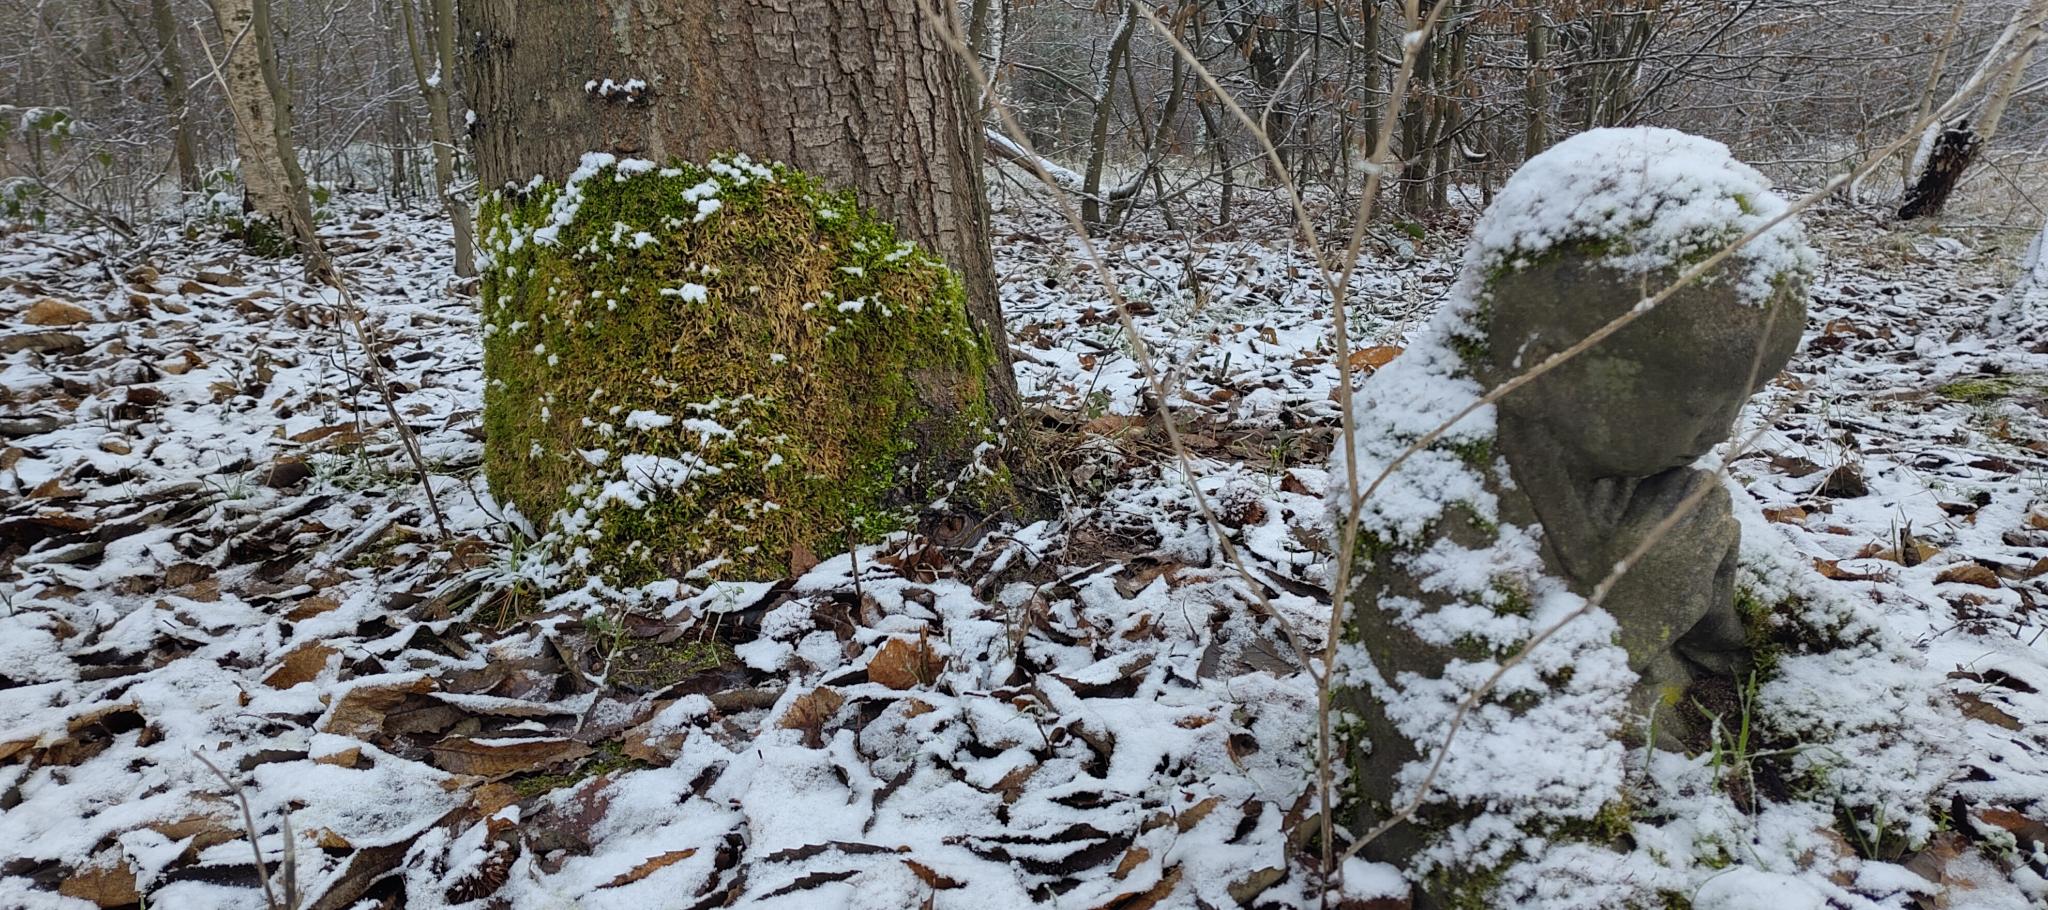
[273,187]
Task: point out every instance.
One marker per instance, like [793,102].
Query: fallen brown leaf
[1968,573]
[1370,359]
[1148,898]
[311,607]
[494,796]
[932,877]
[51,311]
[811,711]
[499,757]
[301,664]
[1830,568]
[1976,708]
[902,664]
[1135,857]
[362,709]
[649,867]
[107,882]
[1790,515]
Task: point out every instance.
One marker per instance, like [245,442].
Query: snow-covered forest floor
[216,551]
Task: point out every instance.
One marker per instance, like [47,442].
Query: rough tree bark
[1954,149]
[273,186]
[862,95]
[1415,121]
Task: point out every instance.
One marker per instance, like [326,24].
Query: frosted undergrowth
[78,638]
[2026,305]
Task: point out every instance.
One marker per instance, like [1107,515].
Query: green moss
[1369,548]
[608,758]
[1477,453]
[1695,249]
[1512,596]
[652,666]
[261,236]
[1613,822]
[822,377]
[1466,889]
[1473,350]
[1989,389]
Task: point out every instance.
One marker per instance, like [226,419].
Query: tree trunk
[1934,72]
[1219,151]
[1953,151]
[433,78]
[1536,137]
[1415,124]
[171,68]
[862,95]
[273,186]
[1098,133]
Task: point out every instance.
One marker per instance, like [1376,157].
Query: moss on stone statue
[702,369]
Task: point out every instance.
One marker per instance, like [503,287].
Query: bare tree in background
[1797,86]
[1948,150]
[171,69]
[274,198]
[433,63]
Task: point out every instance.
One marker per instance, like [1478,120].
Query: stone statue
[1604,448]
[1503,528]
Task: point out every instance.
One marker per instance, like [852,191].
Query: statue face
[1659,393]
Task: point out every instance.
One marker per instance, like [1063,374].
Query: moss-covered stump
[700,370]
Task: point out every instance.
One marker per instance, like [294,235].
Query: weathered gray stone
[1500,532]
[1603,448]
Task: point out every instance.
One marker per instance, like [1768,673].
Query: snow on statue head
[1500,529]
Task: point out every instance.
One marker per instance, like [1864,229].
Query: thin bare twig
[249,823]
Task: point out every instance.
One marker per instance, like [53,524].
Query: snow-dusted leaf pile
[215,549]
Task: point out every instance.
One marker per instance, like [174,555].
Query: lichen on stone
[696,370]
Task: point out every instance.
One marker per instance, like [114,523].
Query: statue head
[1657,394]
